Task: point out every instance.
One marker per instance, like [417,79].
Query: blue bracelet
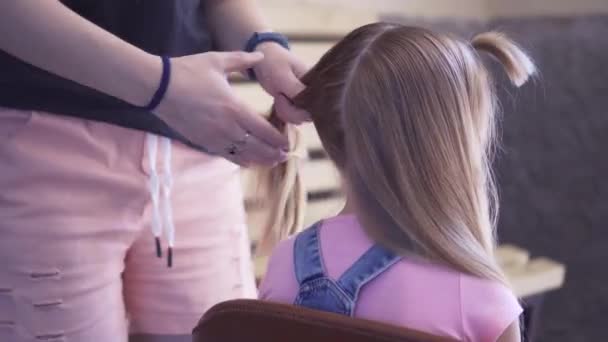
[260,37]
[162,87]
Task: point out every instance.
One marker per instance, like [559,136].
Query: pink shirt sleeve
[280,284]
[487,308]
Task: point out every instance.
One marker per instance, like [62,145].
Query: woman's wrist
[163,85]
[264,42]
[143,79]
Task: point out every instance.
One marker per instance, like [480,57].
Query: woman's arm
[232,22]
[50,36]
[199,102]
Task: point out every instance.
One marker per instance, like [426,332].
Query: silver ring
[233,148]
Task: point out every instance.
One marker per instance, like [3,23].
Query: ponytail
[518,66]
[285,195]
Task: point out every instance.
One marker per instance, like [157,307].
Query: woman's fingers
[251,138]
[288,87]
[236,61]
[206,110]
[287,112]
[257,152]
[245,149]
[288,84]
[299,68]
[238,159]
[259,127]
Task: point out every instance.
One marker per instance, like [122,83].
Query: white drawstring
[167,184]
[154,188]
[162,211]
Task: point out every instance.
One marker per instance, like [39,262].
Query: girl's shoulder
[488,308]
[464,306]
[279,283]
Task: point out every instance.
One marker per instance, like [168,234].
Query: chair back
[260,321]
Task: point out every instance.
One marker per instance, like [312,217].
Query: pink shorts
[77,256]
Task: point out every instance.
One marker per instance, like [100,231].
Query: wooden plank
[320,175]
[311,137]
[254,96]
[255,220]
[511,257]
[540,275]
[260,265]
[318,210]
[311,52]
[302,20]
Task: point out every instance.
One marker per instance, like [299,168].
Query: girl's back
[411,293]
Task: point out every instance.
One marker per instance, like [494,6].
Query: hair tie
[299,147]
[160,92]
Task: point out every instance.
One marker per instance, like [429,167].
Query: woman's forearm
[232,22]
[50,36]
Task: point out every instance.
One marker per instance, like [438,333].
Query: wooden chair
[313,31]
[257,321]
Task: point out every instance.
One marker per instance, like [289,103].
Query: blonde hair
[408,116]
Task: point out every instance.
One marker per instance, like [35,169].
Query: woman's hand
[232,22]
[279,75]
[201,105]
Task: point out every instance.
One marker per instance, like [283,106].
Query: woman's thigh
[211,256]
[71,201]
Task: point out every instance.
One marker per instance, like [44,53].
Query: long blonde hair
[408,116]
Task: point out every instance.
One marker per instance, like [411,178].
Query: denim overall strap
[371,264]
[317,291]
[307,255]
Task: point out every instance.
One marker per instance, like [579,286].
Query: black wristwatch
[260,37]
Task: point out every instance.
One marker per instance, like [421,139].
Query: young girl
[408,117]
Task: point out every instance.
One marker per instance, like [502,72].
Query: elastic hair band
[260,37]
[299,149]
[162,87]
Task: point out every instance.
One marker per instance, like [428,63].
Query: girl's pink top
[412,293]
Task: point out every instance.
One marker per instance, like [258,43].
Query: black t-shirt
[161,27]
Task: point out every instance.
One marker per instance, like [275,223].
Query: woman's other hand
[201,105]
[279,74]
